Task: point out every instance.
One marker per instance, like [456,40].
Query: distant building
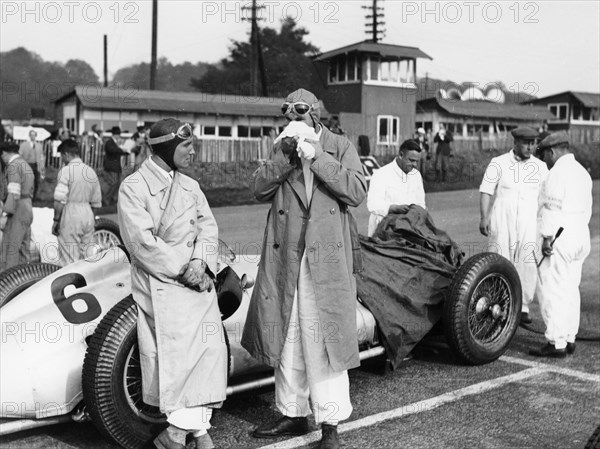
[477,124]
[576,112]
[371,89]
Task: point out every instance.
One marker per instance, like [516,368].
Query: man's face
[408,160]
[548,157]
[32,135]
[291,115]
[183,154]
[523,148]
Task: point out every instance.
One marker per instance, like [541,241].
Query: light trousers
[558,288]
[304,370]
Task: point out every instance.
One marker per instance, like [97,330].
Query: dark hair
[69,146]
[410,145]
[9,147]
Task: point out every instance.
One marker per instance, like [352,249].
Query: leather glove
[56,228]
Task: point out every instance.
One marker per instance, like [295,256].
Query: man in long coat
[302,315]
[172,239]
[513,180]
[17,212]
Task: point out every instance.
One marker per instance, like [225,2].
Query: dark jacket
[112,156]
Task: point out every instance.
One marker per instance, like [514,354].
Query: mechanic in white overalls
[565,202]
[513,182]
[77,192]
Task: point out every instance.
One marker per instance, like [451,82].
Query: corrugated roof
[384,50]
[589,99]
[96,97]
[488,109]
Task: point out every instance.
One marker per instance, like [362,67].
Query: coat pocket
[357,260]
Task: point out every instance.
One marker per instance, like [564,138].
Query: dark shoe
[171,438]
[330,439]
[570,348]
[549,350]
[525,318]
[203,442]
[283,426]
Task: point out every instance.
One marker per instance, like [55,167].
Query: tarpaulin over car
[408,265]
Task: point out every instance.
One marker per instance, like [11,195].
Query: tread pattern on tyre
[97,378]
[594,441]
[454,311]
[19,278]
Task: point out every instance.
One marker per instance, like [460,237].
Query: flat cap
[553,140]
[524,133]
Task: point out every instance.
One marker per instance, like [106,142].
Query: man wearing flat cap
[172,239]
[302,315]
[508,204]
[112,166]
[565,202]
[396,186]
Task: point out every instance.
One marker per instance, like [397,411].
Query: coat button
[190,244]
[339,244]
[192,222]
[275,245]
[332,211]
[281,212]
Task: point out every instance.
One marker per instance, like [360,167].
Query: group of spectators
[77,192]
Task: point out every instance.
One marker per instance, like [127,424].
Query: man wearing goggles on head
[305,287]
[172,238]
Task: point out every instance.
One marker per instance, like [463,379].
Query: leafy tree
[30,85]
[168,76]
[286,57]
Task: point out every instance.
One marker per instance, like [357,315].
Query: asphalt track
[431,401]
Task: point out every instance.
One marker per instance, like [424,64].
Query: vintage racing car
[69,349]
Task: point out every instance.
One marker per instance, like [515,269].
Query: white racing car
[69,349]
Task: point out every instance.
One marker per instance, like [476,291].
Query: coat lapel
[296,181]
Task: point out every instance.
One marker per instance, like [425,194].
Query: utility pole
[256,63]
[105,61]
[154,36]
[376,13]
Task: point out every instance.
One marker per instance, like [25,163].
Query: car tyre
[107,233]
[19,278]
[594,441]
[112,383]
[482,309]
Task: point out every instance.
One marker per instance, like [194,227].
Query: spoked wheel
[17,279]
[482,310]
[106,234]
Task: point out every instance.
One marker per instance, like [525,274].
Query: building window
[394,71]
[559,110]
[209,130]
[344,68]
[453,128]
[224,131]
[387,130]
[477,129]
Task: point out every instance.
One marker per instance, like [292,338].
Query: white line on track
[552,368]
[416,407]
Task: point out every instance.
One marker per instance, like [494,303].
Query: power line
[373,26]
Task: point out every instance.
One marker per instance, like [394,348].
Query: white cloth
[191,418]
[515,186]
[566,201]
[390,185]
[304,369]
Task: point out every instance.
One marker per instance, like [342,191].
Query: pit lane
[431,401]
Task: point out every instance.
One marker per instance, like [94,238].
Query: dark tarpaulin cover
[408,265]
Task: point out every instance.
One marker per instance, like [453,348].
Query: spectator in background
[17,213]
[421,139]
[112,167]
[96,132]
[33,153]
[141,149]
[396,186]
[513,180]
[76,194]
[443,152]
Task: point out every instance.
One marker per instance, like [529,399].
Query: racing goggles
[184,132]
[299,107]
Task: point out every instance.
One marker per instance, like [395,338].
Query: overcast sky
[539,47]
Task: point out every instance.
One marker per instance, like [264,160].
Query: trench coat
[180,335]
[322,229]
